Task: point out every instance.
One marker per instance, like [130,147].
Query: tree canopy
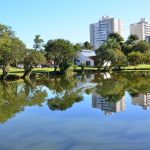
[142,46]
[11,48]
[60,51]
[31,59]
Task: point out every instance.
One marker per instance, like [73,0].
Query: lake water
[87,112]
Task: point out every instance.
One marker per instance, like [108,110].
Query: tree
[38,43]
[6,30]
[14,96]
[61,52]
[142,47]
[107,53]
[32,58]
[117,37]
[135,58]
[87,45]
[78,47]
[65,91]
[116,90]
[11,49]
[146,58]
[18,52]
[132,39]
[121,60]
[127,47]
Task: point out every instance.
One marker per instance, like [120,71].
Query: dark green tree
[31,59]
[135,58]
[107,53]
[11,49]
[14,97]
[87,45]
[61,52]
[128,45]
[117,37]
[132,39]
[142,46]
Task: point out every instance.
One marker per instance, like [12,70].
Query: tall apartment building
[99,31]
[141,29]
[106,106]
[142,100]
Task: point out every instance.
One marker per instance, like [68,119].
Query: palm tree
[107,53]
[38,43]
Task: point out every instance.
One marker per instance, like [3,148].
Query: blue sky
[68,19]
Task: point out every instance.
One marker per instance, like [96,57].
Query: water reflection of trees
[66,93]
[14,97]
[138,83]
[114,88]
[109,94]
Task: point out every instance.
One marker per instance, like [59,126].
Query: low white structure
[85,57]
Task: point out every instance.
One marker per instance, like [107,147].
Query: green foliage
[132,39]
[142,46]
[117,37]
[121,60]
[60,51]
[116,90]
[110,51]
[11,49]
[31,59]
[14,97]
[66,93]
[135,58]
[64,66]
[87,45]
[38,43]
[78,47]
[128,45]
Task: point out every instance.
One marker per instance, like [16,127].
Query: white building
[85,57]
[99,31]
[141,29]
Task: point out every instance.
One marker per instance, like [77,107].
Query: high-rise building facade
[106,106]
[142,100]
[99,31]
[141,29]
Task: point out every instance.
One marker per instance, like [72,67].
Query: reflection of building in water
[142,100]
[86,82]
[106,106]
[106,75]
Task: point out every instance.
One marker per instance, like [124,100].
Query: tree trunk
[28,81]
[5,71]
[55,68]
[27,74]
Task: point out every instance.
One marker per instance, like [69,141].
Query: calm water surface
[91,112]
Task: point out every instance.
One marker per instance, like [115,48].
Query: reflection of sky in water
[77,128]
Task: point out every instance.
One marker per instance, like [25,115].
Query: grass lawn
[19,71]
[142,66]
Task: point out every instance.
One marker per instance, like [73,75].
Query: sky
[68,19]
